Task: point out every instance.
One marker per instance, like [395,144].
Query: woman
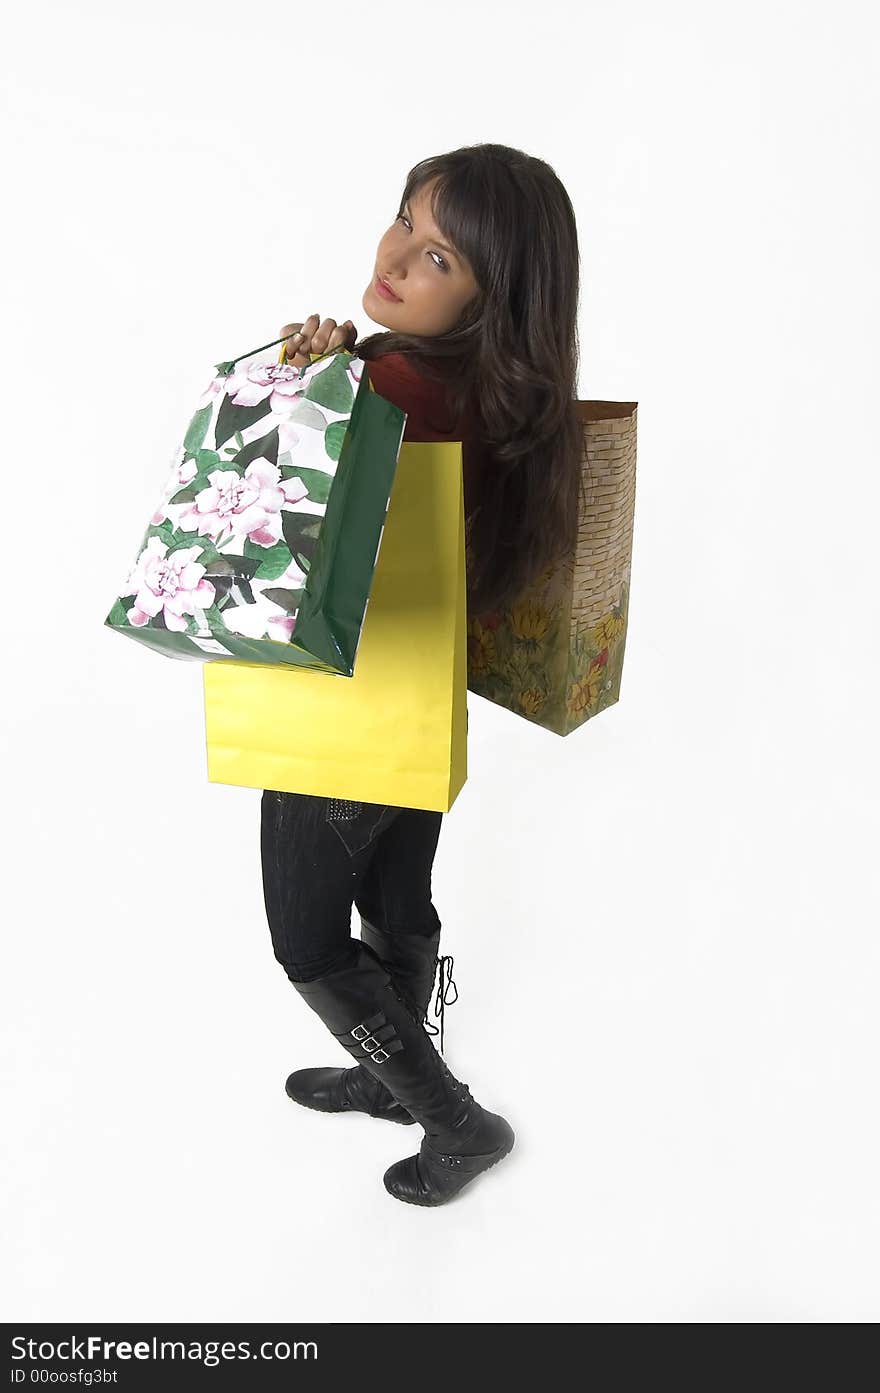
[477,282]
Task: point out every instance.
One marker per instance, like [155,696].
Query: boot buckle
[369,1043]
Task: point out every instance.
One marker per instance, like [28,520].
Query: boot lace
[442,999]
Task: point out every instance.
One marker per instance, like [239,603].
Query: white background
[665,925]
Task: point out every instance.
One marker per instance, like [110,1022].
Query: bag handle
[282,358]
[226,367]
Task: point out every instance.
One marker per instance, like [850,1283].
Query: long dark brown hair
[512,359]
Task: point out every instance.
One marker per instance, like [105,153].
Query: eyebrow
[436,240]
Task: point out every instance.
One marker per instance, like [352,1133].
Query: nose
[393,271]
[394,264]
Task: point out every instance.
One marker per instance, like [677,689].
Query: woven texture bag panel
[555,656]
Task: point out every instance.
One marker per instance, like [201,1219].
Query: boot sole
[437,1204]
[380,1117]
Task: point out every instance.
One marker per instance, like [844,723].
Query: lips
[384,289]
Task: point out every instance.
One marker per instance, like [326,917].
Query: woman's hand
[317,336]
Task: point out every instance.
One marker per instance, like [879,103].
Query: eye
[440,262]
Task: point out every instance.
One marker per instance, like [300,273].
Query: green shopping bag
[264,544]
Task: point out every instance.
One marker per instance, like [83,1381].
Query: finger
[320,339]
[321,336]
[344,338]
[292,342]
[339,338]
[306,343]
[298,354]
[299,339]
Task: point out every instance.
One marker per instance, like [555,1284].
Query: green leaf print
[295,535]
[197,430]
[334,438]
[243,588]
[332,387]
[118,614]
[272,561]
[206,460]
[305,413]
[289,600]
[164,531]
[316,481]
[228,564]
[214,618]
[232,419]
[193,539]
[264,448]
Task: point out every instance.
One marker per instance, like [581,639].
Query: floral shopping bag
[265,541]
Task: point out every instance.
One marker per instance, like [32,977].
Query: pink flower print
[184,473]
[264,619]
[278,381]
[288,436]
[248,505]
[280,627]
[282,384]
[213,388]
[171,585]
[293,577]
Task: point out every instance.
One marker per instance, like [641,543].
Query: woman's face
[433,281]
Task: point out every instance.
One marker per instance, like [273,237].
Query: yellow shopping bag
[396,731]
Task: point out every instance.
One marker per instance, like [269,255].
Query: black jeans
[317,862]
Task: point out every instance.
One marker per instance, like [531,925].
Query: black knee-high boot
[411,960]
[373,1020]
